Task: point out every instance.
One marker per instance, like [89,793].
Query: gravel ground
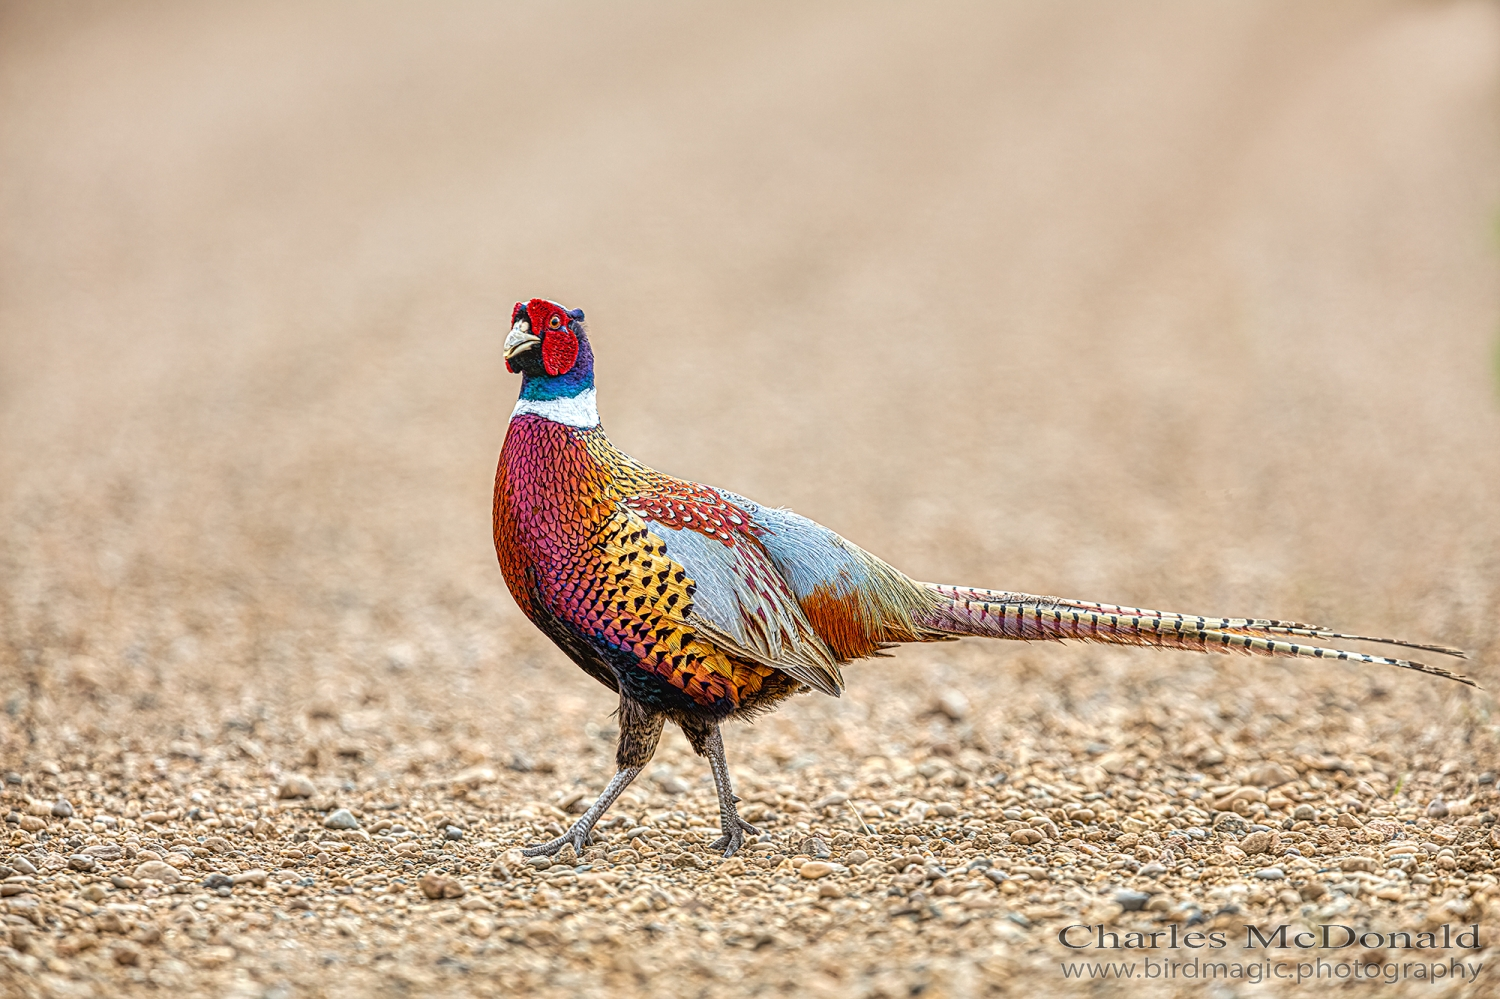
[1186,306]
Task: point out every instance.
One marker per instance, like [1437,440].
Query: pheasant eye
[554,323]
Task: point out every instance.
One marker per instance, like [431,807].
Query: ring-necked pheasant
[698,605]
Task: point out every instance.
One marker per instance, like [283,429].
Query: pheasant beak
[520,339]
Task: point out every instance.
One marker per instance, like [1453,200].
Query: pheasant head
[548,346]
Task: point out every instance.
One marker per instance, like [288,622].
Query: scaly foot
[577,835]
[734,838]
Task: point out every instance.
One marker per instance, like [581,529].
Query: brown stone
[437,886]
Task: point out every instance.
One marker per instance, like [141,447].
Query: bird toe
[579,838]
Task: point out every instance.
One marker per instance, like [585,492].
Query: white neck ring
[579,410]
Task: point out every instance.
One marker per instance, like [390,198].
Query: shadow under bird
[697,605]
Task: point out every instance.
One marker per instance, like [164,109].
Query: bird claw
[731,842]
[578,836]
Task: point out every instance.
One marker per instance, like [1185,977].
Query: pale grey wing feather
[811,557]
[743,604]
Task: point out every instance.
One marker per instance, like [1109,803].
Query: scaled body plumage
[697,605]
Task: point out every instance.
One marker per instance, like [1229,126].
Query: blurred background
[1184,305]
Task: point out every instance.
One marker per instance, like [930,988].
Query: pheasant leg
[706,741]
[578,832]
[640,730]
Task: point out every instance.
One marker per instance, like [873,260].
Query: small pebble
[1270,775]
[953,704]
[1437,809]
[1152,870]
[453,833]
[81,862]
[1230,824]
[815,869]
[437,886]
[1256,842]
[61,809]
[217,880]
[341,818]
[1270,873]
[671,784]
[295,786]
[814,846]
[1132,901]
[157,870]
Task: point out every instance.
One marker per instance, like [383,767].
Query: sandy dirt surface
[1189,305]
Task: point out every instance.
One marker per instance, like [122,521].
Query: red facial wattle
[559,350]
[551,323]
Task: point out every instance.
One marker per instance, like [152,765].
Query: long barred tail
[962,610]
